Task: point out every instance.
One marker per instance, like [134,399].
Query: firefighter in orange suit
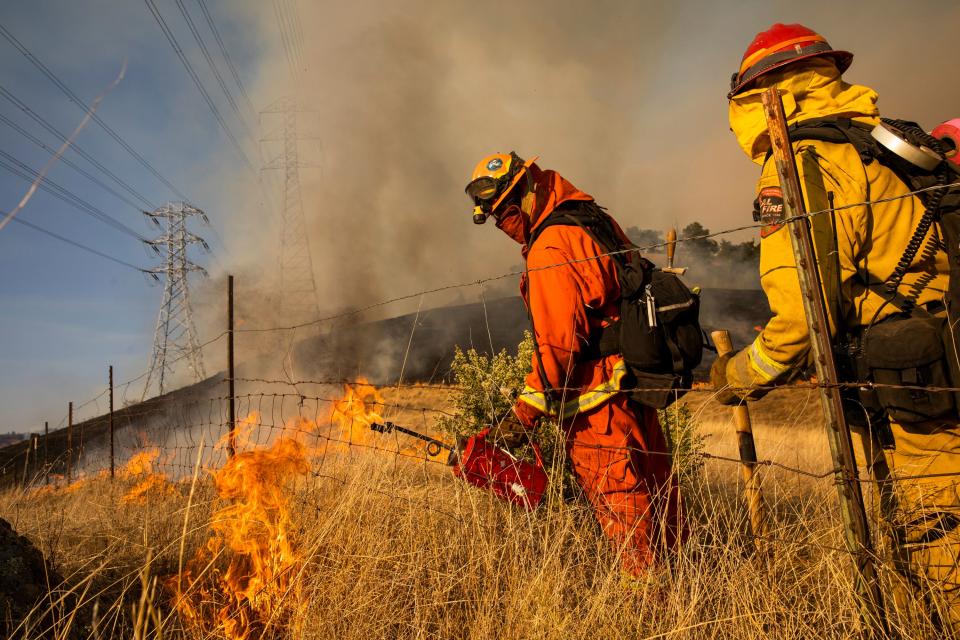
[858,248]
[616,447]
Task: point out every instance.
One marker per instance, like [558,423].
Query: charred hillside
[420,346]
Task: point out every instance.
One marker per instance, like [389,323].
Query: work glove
[509,432]
[718,378]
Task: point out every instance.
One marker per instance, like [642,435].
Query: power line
[76,244]
[289,46]
[294,16]
[29,174]
[96,118]
[225,54]
[196,80]
[209,59]
[63,138]
[67,161]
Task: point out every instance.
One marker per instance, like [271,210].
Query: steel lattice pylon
[298,288]
[175,338]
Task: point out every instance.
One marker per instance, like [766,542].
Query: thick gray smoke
[626,99]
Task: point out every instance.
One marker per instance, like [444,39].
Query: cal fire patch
[768,209]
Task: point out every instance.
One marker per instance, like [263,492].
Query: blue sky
[67,314]
[625,98]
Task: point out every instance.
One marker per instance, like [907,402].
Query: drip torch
[477,461]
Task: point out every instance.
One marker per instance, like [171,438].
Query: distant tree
[700,247]
[645,237]
[736,253]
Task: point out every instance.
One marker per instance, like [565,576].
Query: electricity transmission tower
[175,338]
[298,288]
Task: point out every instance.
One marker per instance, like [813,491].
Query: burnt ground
[377,349]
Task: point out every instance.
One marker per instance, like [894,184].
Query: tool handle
[433,445]
[721,339]
[671,246]
[748,451]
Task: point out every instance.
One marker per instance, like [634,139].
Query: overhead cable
[74,146]
[76,244]
[196,80]
[96,118]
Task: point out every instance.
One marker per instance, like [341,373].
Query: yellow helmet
[493,179]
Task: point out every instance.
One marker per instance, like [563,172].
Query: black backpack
[897,351]
[659,332]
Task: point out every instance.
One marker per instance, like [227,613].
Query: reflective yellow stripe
[534,398]
[585,401]
[766,368]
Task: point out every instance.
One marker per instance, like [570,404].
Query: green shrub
[489,386]
[684,440]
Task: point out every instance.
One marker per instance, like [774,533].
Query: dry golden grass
[394,548]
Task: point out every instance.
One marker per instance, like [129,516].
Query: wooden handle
[748,451]
[721,340]
[671,246]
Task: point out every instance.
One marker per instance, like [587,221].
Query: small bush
[489,387]
[685,441]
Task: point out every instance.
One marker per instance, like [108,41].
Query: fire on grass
[245,580]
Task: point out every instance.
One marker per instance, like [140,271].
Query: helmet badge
[494,164]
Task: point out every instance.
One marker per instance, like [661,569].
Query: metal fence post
[856,528]
[46,452]
[69,442]
[231,408]
[26,464]
[112,459]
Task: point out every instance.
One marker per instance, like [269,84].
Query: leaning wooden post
[231,402]
[855,526]
[759,524]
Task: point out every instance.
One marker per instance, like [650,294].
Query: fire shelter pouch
[905,358]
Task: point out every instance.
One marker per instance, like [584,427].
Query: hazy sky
[625,98]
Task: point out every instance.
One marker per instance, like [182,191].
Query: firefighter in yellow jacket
[858,247]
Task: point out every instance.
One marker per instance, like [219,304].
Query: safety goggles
[483,189]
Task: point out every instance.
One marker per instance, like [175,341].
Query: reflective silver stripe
[679,305]
[534,398]
[767,368]
[585,401]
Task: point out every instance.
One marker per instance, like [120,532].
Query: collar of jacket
[813,89]
[550,189]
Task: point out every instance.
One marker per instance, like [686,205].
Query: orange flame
[356,411]
[151,483]
[250,535]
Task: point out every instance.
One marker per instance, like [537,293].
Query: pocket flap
[903,343]
[671,295]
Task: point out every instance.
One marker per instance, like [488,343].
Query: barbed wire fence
[193,423]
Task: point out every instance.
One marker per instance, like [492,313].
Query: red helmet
[780,45]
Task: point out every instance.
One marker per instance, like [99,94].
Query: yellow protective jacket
[868,240]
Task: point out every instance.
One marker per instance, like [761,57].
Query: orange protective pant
[619,456]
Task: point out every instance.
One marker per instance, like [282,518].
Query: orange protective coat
[616,448]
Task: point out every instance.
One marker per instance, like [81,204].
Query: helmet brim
[843,60]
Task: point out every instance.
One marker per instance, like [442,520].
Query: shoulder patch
[768,210]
